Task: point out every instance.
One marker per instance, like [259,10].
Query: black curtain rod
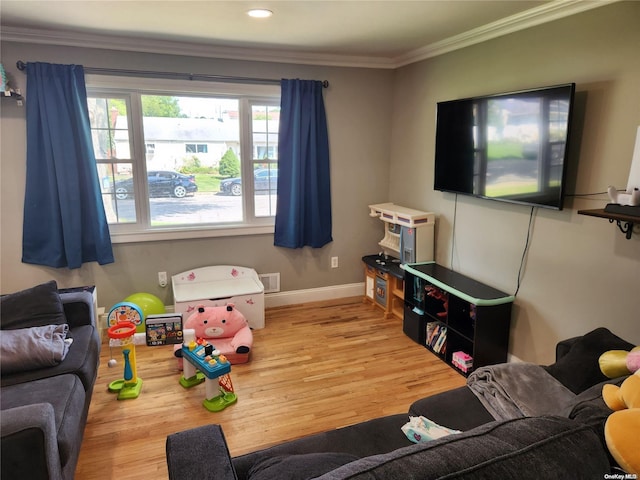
[175,75]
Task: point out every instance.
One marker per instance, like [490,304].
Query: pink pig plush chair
[225,328]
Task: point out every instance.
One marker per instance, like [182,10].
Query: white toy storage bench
[217,286]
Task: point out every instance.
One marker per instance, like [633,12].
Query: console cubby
[473,318]
[462,316]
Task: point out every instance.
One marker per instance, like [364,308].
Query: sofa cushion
[66,394]
[591,396]
[379,435]
[33,307]
[523,448]
[82,360]
[459,409]
[298,467]
[579,369]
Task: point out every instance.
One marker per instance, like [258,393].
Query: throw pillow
[24,349]
[298,467]
[579,368]
[33,307]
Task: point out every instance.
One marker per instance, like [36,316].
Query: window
[196,147]
[265,122]
[172,162]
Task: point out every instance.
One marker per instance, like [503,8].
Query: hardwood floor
[314,367]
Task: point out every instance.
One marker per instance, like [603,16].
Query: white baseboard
[294,297]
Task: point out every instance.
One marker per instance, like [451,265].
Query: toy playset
[122,335]
[163,329]
[204,363]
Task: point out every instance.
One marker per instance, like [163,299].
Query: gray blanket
[512,390]
[35,347]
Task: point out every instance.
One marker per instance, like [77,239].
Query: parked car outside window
[162,183]
[265,180]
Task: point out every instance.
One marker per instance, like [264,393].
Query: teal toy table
[203,363]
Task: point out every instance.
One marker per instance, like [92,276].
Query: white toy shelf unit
[217,286]
[408,232]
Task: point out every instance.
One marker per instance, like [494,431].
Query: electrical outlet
[162,279]
[334,262]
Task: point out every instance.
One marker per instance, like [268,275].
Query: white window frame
[101,85]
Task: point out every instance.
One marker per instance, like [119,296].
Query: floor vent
[271,282]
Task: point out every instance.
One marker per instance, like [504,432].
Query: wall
[580,272]
[358,104]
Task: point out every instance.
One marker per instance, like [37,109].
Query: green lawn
[517,188]
[498,150]
[208,182]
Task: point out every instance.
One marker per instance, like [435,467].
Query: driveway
[203,207]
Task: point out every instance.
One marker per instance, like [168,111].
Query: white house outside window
[172,162]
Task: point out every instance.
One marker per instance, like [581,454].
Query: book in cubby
[437,341]
[430,326]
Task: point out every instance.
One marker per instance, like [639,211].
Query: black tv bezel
[561,197]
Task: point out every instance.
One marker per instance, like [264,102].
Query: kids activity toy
[203,363]
[136,308]
[122,335]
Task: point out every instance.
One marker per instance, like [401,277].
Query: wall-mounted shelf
[15,94]
[625,222]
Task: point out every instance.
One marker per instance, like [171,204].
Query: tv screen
[510,147]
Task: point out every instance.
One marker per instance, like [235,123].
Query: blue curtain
[64,219]
[303,214]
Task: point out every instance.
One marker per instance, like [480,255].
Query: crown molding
[530,18]
[145,45]
[536,16]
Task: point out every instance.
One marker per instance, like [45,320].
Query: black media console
[465,322]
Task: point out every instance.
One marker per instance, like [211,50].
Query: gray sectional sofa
[49,359]
[558,434]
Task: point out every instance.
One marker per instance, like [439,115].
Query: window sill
[187,234]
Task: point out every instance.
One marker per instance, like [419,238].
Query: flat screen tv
[510,147]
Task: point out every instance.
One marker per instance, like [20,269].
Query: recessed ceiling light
[259,13]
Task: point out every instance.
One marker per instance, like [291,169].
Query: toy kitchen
[408,238]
